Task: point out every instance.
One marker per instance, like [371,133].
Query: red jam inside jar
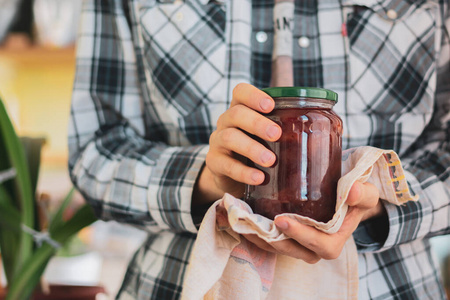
[304,178]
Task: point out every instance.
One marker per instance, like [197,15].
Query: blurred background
[37,65]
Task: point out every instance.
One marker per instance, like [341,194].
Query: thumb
[363,195]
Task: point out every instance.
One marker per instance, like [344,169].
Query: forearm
[151,188]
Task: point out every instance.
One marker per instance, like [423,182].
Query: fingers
[286,247]
[224,165]
[247,119]
[252,97]
[259,242]
[326,246]
[308,243]
[294,249]
[311,245]
[222,161]
[234,140]
[245,113]
[365,198]
[363,195]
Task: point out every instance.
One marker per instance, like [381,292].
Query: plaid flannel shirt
[152,79]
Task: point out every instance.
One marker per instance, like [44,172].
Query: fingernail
[283,225]
[266,156]
[257,177]
[272,131]
[265,104]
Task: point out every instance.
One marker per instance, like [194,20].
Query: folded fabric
[224,265]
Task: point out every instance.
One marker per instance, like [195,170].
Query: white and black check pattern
[153,77]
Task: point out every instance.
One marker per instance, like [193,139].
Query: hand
[230,146]
[310,244]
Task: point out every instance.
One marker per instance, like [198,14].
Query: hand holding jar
[230,146]
[310,244]
[242,134]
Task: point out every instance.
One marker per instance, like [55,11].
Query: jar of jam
[304,178]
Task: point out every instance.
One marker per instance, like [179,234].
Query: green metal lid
[295,91]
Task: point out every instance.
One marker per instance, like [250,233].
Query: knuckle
[255,96]
[226,135]
[312,260]
[238,89]
[234,112]
[252,150]
[243,173]
[332,252]
[229,168]
[212,137]
[258,122]
[289,250]
[313,244]
[220,120]
[330,255]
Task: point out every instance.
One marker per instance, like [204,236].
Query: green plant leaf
[57,219]
[83,217]
[13,151]
[9,215]
[5,164]
[33,268]
[32,148]
[29,275]
[9,233]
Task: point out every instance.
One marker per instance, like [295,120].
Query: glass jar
[304,177]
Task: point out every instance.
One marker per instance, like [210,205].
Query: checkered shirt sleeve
[427,162]
[123,165]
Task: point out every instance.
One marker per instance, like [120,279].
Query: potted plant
[25,250]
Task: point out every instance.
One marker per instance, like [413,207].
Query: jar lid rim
[296,91]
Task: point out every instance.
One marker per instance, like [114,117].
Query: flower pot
[69,292]
[64,292]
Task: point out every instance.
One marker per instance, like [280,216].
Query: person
[165,92]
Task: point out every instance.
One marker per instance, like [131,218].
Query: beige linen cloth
[223,265]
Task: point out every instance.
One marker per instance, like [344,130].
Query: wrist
[205,189]
[377,211]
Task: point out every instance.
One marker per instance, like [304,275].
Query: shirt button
[261,37]
[304,42]
[392,14]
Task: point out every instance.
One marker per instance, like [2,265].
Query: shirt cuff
[170,195]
